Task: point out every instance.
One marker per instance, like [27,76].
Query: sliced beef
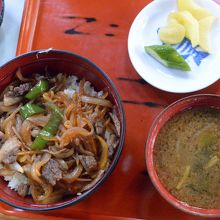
[15,93]
[23,190]
[9,150]
[116,122]
[89,163]
[110,150]
[52,172]
[111,140]
[19,90]
[11,100]
[11,157]
[99,127]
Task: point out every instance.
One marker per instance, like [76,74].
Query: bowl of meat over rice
[183,155]
[62,129]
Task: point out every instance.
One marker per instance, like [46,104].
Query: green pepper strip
[41,87]
[54,108]
[49,130]
[29,109]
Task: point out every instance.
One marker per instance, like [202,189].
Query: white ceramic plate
[143,32]
[10,28]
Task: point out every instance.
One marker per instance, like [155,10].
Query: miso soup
[187,157]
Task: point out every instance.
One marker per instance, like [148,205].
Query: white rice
[16,180]
[73,86]
[89,90]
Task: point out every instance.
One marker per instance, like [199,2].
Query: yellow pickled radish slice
[172,21]
[197,11]
[190,23]
[205,26]
[172,34]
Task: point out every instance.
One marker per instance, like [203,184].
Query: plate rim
[134,64]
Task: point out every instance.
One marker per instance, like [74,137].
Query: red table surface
[98,30]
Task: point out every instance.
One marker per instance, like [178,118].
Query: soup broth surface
[187,157]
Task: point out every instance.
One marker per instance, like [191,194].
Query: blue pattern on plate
[186,50]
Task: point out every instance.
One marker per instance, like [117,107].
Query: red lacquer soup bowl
[206,100]
[57,61]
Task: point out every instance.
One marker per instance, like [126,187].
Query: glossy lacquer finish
[128,193]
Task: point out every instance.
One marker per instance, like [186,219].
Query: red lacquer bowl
[178,106]
[60,62]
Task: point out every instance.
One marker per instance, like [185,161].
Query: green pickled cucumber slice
[168,56]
